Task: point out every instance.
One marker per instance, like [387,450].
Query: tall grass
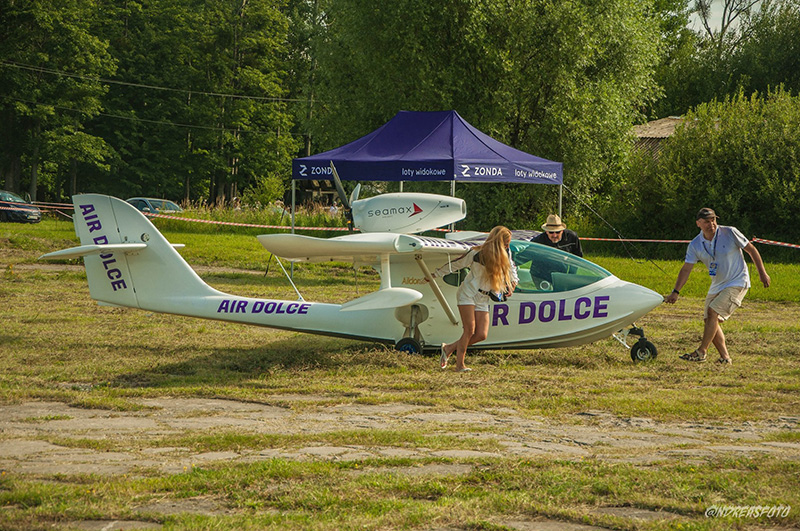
[276,214]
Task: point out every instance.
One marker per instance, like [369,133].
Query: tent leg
[560,198]
[293,210]
[453,194]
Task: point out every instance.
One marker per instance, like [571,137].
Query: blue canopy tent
[428,146]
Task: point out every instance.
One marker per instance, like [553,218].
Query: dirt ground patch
[27,429]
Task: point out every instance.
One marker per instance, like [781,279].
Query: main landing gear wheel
[409,345]
[643,350]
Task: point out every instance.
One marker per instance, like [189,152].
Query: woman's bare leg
[481,328]
[467,313]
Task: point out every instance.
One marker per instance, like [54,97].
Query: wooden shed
[651,136]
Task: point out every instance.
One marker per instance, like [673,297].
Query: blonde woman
[492,275]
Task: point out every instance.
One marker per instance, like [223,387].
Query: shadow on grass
[222,367]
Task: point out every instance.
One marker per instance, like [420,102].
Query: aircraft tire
[643,350]
[409,345]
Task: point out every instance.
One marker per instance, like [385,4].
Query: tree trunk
[35,162]
[73,177]
[12,173]
[220,199]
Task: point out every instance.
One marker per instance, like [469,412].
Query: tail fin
[128,261]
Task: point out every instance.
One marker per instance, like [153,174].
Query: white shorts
[725,302]
[470,296]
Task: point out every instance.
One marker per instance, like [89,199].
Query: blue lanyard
[713,252]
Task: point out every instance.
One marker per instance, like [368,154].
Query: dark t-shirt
[569,242]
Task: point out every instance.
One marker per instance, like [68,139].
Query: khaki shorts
[725,302]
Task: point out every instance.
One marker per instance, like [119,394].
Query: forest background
[202,100]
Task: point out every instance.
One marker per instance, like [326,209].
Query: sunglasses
[554,231]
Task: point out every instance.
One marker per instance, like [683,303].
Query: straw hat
[553,224]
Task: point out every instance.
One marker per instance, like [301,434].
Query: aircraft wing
[355,247]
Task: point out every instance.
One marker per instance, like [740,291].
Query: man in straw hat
[720,249]
[557,235]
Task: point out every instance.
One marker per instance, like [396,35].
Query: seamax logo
[412,210]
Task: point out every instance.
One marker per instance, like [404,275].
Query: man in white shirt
[719,248]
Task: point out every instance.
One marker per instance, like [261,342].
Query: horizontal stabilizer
[383,299]
[85,250]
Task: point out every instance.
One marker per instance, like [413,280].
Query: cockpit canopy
[545,269]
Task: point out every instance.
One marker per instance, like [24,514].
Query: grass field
[741,446]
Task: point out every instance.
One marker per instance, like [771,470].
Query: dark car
[149,204]
[14,208]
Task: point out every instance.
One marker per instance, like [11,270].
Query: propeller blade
[348,212]
[339,188]
[354,195]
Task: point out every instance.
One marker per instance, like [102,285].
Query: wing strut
[299,297]
[435,287]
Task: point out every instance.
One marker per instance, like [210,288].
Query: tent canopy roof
[428,146]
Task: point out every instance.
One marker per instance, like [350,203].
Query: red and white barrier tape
[234,224]
[59,206]
[633,240]
[770,242]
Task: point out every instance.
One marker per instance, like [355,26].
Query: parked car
[14,208]
[149,204]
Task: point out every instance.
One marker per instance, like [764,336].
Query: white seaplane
[561,300]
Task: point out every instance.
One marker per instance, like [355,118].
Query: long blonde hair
[495,259]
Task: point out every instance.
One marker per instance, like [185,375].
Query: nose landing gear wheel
[643,350]
[409,345]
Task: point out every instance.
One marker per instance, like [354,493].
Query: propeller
[346,204]
[354,195]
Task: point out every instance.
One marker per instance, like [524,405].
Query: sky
[716,15]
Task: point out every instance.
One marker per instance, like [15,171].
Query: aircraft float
[561,300]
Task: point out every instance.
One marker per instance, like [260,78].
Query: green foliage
[771,57]
[45,114]
[562,80]
[754,49]
[203,100]
[204,144]
[266,190]
[740,156]
[198,112]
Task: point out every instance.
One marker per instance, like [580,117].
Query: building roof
[663,128]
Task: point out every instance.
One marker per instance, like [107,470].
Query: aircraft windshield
[542,268]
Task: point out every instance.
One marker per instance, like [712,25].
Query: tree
[771,56]
[202,91]
[735,23]
[50,70]
[739,156]
[751,48]
[562,80]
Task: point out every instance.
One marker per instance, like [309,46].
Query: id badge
[712,269]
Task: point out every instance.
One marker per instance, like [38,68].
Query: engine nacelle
[407,213]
